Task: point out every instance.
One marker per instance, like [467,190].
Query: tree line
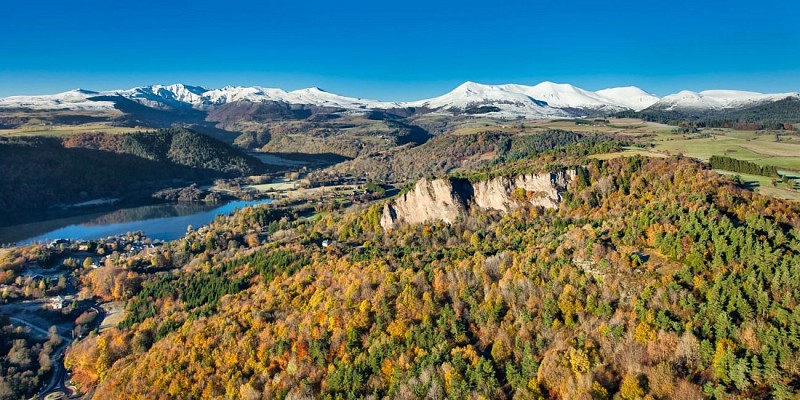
[742,166]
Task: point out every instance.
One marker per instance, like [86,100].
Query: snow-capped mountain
[545,100]
[629,96]
[77,99]
[179,95]
[541,101]
[318,97]
[562,95]
[711,100]
[511,100]
[161,96]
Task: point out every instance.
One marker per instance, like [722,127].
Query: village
[51,275]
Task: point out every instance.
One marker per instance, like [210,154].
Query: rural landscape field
[509,200]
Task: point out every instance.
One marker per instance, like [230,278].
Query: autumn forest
[654,278]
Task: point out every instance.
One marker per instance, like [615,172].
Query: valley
[439,200]
[498,241]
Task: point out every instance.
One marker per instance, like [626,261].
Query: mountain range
[542,101]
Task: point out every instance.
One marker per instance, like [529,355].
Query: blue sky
[392,50]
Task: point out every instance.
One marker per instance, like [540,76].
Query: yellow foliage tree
[631,388]
[579,361]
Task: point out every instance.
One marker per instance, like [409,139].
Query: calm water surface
[162,221]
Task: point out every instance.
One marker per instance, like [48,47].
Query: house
[57,302]
[327,242]
[58,242]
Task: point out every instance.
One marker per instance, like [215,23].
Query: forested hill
[445,154]
[181,147]
[655,278]
[772,115]
[40,172]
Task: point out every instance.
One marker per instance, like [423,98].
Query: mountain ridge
[545,100]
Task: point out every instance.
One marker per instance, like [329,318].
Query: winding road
[36,328]
[58,379]
[59,372]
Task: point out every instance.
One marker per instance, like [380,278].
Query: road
[58,383]
[59,372]
[58,379]
[36,328]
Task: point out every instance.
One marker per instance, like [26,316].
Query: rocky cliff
[447,199]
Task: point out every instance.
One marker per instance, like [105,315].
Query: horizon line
[214,87]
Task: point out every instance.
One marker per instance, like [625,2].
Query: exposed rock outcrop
[438,199]
[448,199]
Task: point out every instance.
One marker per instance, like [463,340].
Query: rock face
[438,199]
[448,199]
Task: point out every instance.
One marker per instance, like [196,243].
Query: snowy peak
[230,94]
[730,94]
[629,96]
[716,100]
[735,98]
[80,91]
[508,100]
[165,96]
[473,94]
[564,95]
[473,88]
[541,101]
[547,99]
[179,95]
[318,97]
[78,99]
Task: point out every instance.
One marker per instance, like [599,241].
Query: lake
[161,221]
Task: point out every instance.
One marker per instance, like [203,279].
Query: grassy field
[631,151]
[659,140]
[763,148]
[274,187]
[617,126]
[316,217]
[763,185]
[59,130]
[620,126]
[760,149]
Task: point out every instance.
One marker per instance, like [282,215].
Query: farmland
[769,148]
[59,130]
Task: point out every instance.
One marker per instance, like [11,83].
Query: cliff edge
[447,199]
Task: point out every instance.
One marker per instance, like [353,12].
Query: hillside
[346,135]
[770,115]
[634,286]
[314,121]
[43,172]
[449,153]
